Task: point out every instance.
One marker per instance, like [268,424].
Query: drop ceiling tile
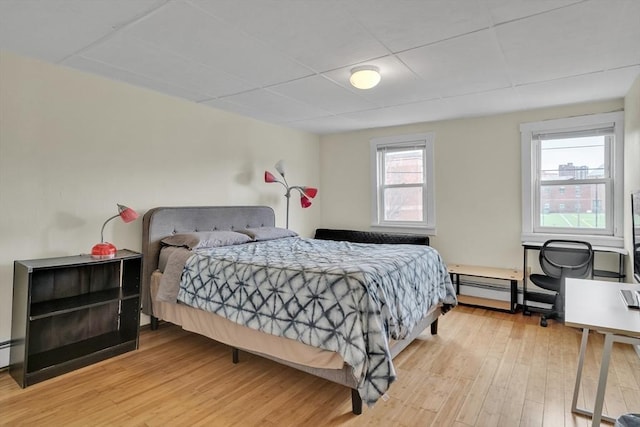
[189,32]
[621,24]
[411,24]
[485,103]
[320,34]
[322,93]
[325,125]
[54,29]
[128,77]
[145,59]
[418,112]
[575,40]
[509,10]
[263,115]
[492,102]
[589,87]
[467,64]
[261,102]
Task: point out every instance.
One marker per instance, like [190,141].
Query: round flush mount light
[365,77]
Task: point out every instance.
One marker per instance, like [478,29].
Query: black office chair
[560,259]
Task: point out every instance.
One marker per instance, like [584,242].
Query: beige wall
[631,160]
[73,145]
[478,176]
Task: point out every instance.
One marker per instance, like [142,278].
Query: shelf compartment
[65,305]
[69,354]
[80,302]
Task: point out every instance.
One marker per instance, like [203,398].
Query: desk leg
[514,296]
[524,282]
[576,390]
[604,370]
[602,381]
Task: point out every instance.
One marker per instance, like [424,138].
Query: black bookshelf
[70,312]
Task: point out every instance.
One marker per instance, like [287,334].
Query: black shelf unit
[70,312]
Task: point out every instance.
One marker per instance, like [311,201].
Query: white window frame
[428,224]
[613,236]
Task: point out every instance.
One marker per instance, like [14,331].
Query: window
[572,179]
[402,182]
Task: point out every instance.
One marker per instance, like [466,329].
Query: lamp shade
[310,192]
[365,77]
[127,214]
[268,177]
[280,167]
[304,201]
[106,250]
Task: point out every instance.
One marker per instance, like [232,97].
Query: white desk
[597,305]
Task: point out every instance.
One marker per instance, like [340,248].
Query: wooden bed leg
[235,355]
[154,323]
[356,402]
[434,327]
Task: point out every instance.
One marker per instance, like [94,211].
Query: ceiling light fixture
[365,77]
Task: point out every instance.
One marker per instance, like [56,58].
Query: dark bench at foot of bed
[355,236]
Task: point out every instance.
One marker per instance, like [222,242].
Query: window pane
[573,158]
[403,167]
[573,206]
[403,204]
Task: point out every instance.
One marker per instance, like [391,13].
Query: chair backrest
[567,258]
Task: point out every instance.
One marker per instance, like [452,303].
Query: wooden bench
[513,276]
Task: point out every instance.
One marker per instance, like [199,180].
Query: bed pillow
[267,233]
[206,239]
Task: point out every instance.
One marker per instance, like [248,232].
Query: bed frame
[164,221]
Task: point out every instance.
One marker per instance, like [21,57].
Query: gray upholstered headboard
[165,221]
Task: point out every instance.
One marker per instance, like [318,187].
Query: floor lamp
[306,193]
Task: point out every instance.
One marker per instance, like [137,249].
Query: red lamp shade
[126,213]
[106,250]
[310,192]
[268,177]
[304,201]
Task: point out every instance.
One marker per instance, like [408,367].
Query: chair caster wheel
[543,323]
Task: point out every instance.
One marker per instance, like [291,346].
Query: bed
[367,371]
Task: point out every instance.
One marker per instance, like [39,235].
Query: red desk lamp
[106,250]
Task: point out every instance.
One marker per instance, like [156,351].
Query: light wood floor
[482,369]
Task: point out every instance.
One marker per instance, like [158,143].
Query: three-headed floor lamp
[106,250]
[306,193]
